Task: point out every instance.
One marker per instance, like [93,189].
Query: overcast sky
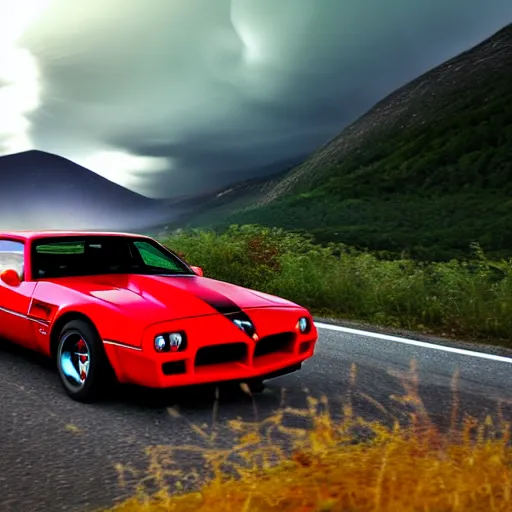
[171,97]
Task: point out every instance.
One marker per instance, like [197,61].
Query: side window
[155,258]
[11,256]
[57,258]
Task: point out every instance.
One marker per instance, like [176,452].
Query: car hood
[161,298]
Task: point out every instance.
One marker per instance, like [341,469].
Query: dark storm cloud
[216,87]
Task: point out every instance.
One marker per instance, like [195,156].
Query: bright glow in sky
[19,72]
[118,166]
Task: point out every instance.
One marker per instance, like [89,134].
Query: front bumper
[217,350]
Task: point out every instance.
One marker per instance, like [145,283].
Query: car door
[15,300]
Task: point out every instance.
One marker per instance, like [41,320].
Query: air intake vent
[275,343]
[219,354]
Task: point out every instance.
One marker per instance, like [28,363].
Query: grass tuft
[339,462]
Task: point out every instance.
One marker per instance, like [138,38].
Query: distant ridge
[412,105]
[40,190]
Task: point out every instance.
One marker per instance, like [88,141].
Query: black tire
[99,371]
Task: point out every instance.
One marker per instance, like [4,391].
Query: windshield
[85,256]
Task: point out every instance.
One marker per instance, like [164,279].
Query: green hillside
[427,186]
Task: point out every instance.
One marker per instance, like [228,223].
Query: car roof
[34,235]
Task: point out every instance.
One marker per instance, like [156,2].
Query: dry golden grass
[395,469]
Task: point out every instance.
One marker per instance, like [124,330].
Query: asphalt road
[58,455]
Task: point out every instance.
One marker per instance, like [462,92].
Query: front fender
[111,323]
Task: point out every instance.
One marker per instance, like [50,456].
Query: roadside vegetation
[344,465]
[470,298]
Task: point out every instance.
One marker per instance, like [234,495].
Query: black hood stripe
[224,306]
[217,301]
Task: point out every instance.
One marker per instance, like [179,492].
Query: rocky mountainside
[415,104]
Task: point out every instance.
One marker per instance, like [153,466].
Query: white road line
[416,343]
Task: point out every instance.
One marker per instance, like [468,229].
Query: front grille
[282,342]
[218,354]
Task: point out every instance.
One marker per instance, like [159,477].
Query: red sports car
[124,307]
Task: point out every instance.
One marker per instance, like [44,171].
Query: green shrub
[471,298]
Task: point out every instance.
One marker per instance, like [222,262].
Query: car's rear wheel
[81,361]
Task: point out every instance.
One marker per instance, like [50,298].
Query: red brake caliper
[80,347]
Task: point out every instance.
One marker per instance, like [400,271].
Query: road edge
[474,346]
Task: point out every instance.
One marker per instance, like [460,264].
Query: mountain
[40,190]
[426,171]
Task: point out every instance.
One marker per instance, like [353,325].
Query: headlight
[303,325]
[170,342]
[160,344]
[175,340]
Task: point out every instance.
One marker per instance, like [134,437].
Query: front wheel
[81,361]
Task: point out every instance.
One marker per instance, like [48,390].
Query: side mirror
[10,277]
[198,271]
